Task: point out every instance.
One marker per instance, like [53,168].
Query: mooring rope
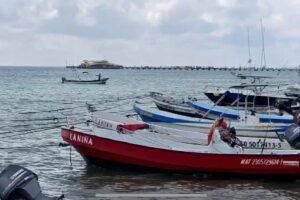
[82,106]
[29,131]
[37,146]
[58,120]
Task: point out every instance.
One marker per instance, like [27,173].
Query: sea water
[34,104]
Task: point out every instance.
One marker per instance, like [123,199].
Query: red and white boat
[126,142]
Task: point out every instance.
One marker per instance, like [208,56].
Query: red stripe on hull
[163,159]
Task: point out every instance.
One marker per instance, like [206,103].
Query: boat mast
[263,62]
[249,52]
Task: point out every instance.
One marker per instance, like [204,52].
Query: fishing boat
[244,97]
[169,104]
[79,81]
[214,111]
[247,128]
[251,94]
[112,142]
[293,90]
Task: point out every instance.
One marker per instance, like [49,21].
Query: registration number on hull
[259,144]
[269,162]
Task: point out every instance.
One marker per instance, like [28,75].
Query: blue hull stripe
[154,117]
[228,113]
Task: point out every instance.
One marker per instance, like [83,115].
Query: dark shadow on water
[131,180]
[206,180]
[112,168]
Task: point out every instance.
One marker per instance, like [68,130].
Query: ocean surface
[34,104]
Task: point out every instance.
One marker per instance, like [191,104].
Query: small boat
[117,144]
[249,94]
[242,95]
[249,128]
[96,81]
[214,111]
[169,104]
[293,90]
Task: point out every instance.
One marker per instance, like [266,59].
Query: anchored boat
[244,98]
[250,94]
[169,104]
[118,142]
[214,111]
[79,81]
[250,127]
[293,90]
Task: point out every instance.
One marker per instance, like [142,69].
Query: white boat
[250,95]
[117,142]
[249,128]
[214,111]
[293,90]
[169,104]
[157,131]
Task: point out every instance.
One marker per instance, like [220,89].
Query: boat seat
[131,127]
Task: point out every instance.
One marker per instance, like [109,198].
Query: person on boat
[228,136]
[292,133]
[219,124]
[99,76]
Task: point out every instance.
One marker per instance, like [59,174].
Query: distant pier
[211,68]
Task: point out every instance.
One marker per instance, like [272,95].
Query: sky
[149,32]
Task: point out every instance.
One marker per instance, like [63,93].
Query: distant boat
[95,64]
[96,81]
[293,90]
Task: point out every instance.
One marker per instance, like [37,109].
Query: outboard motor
[19,183]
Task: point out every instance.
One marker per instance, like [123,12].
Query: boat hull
[97,149]
[169,104]
[203,125]
[293,91]
[101,81]
[176,110]
[252,101]
[214,111]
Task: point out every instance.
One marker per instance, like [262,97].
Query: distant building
[94,64]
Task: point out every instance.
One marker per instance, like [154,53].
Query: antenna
[263,62]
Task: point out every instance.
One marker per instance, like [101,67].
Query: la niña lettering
[81,138]
[102,123]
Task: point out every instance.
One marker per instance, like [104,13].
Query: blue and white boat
[170,104]
[213,111]
[293,90]
[248,128]
[251,94]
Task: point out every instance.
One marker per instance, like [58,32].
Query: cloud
[86,10]
[150,32]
